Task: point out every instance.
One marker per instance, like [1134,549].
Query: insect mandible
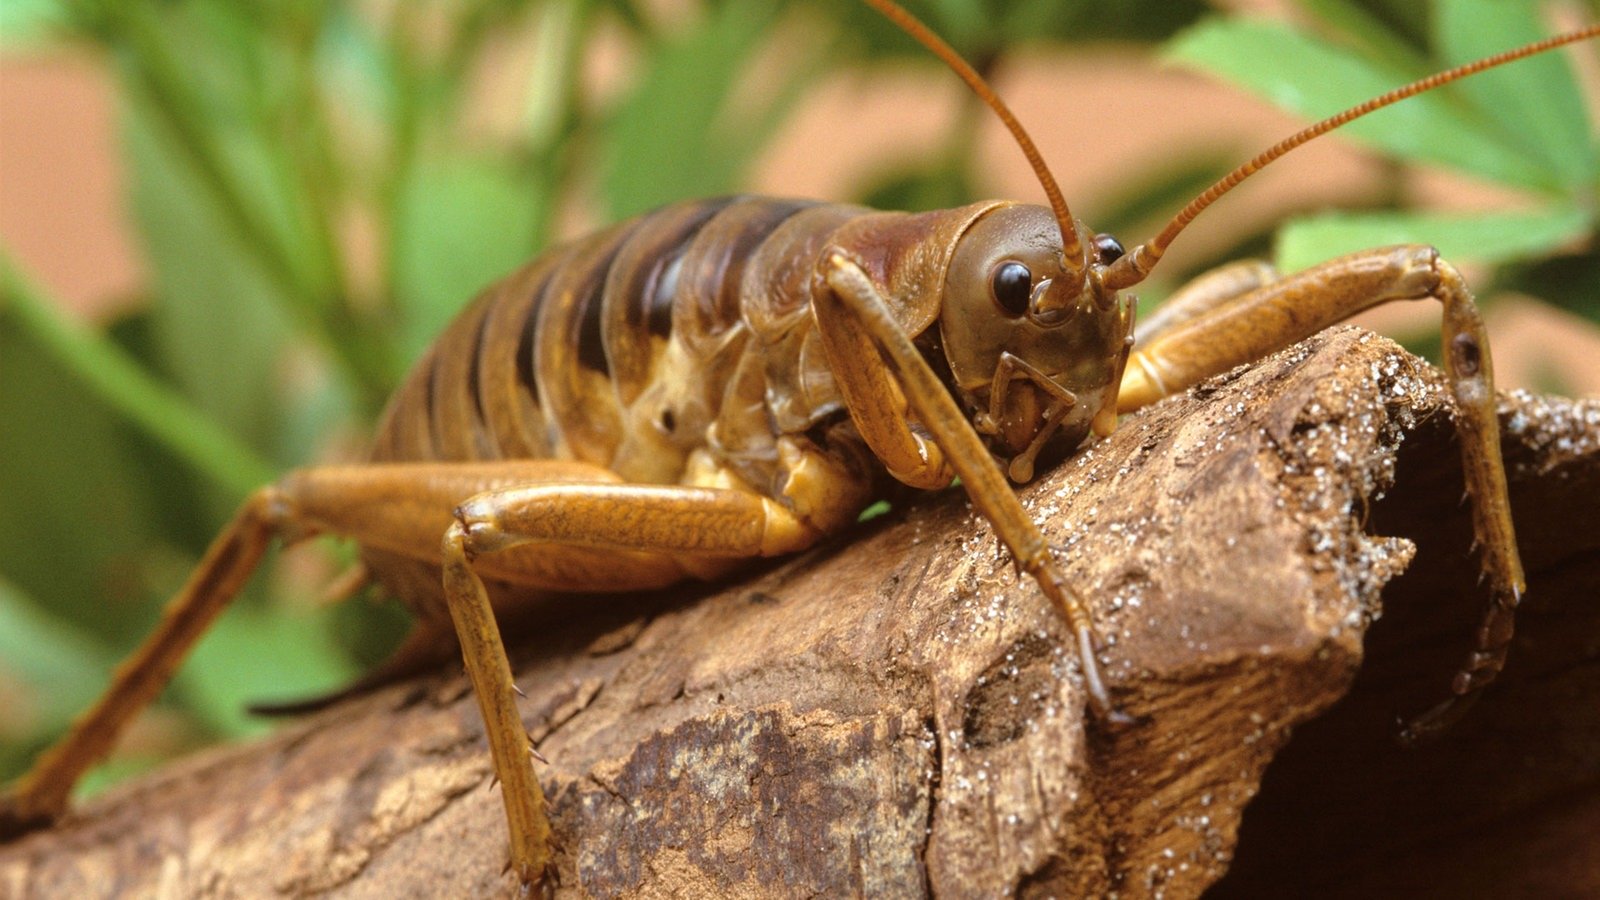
[726,379]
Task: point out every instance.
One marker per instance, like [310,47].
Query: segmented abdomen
[624,348]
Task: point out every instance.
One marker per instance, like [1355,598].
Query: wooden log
[896,714]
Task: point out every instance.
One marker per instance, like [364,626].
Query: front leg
[879,370]
[1269,318]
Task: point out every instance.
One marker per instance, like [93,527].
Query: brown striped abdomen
[683,329]
[676,348]
[554,360]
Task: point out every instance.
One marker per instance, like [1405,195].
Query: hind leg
[40,796]
[616,537]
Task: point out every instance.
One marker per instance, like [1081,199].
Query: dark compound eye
[1107,249]
[1012,286]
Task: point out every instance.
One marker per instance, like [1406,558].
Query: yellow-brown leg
[41,795]
[405,508]
[879,371]
[484,653]
[874,395]
[1204,293]
[571,513]
[1252,325]
[649,518]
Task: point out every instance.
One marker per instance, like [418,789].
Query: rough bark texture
[895,714]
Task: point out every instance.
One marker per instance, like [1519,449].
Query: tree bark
[896,714]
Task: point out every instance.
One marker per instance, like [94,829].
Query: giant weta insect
[726,379]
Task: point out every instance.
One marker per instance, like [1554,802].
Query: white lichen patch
[1340,457]
[1555,429]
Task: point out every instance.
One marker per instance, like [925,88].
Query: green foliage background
[255,133]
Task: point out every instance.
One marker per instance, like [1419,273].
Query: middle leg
[541,524]
[672,521]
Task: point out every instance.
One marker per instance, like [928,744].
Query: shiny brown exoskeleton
[726,379]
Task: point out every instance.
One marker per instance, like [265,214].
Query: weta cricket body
[725,379]
[680,348]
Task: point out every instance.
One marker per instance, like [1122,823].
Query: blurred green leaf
[80,511]
[1148,198]
[672,136]
[461,223]
[1569,281]
[357,65]
[1372,33]
[232,110]
[1485,238]
[983,29]
[208,106]
[121,383]
[258,654]
[215,319]
[50,653]
[1075,21]
[1534,104]
[1317,79]
[24,23]
[935,186]
[881,508]
[553,71]
[107,774]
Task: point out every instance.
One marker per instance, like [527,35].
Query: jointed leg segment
[484,653]
[569,509]
[1228,330]
[647,518]
[41,795]
[856,324]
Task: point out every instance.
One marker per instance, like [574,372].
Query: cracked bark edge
[770,736]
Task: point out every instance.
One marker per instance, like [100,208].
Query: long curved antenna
[1071,247]
[1136,265]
